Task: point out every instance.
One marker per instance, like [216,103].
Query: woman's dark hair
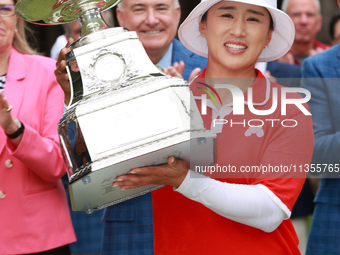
[332,24]
[271,25]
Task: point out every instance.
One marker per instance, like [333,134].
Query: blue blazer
[129,225]
[325,108]
[190,59]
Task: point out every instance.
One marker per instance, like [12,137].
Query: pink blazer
[34,214]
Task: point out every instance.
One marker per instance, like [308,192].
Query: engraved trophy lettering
[124,112]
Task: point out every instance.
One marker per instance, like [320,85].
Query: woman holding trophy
[246,212]
[34,213]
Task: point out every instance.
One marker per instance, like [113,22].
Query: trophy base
[95,191]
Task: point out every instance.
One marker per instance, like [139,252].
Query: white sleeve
[252,205]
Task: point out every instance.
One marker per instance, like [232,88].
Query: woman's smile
[235,47]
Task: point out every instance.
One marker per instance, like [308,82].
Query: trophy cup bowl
[123,113]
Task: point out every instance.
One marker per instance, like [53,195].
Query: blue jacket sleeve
[324,108]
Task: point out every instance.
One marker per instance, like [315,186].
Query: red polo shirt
[182,226]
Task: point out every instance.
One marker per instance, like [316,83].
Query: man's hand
[177,70]
[173,173]
[61,73]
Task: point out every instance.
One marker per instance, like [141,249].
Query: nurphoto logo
[239,101]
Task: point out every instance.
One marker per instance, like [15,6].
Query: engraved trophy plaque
[124,113]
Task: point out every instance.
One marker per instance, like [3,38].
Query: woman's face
[236,34]
[7,28]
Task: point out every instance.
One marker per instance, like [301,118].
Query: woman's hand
[6,120]
[172,173]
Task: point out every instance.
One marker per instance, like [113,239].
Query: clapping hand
[177,70]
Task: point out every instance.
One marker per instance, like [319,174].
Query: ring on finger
[9,108]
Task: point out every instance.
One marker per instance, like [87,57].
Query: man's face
[306,18]
[155,21]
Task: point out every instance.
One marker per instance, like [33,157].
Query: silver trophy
[124,112]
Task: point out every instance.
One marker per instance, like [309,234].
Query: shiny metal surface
[107,60]
[124,113]
[142,123]
[50,12]
[73,146]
